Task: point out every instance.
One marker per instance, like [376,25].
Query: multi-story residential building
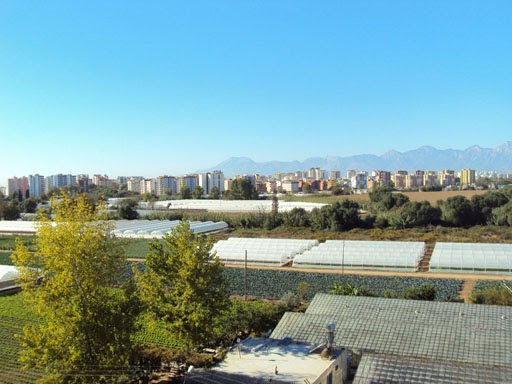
[191,181]
[414,180]
[290,186]
[122,180]
[209,180]
[165,185]
[467,176]
[430,178]
[227,184]
[18,185]
[101,181]
[351,173]
[447,177]
[335,175]
[382,178]
[360,181]
[217,180]
[134,184]
[148,186]
[83,182]
[54,182]
[36,185]
[271,186]
[399,180]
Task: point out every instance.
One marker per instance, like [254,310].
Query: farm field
[431,197]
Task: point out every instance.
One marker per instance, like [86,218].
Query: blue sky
[168,87]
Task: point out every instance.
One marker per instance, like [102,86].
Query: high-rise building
[35,185]
[360,181]
[17,185]
[54,182]
[191,181]
[217,180]
[467,176]
[165,185]
[335,175]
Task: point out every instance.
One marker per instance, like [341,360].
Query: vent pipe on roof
[326,353]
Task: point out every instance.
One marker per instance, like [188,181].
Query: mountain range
[426,158]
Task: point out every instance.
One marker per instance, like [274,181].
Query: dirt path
[467,288]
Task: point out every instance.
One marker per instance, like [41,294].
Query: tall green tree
[214,193]
[242,189]
[198,192]
[183,286]
[86,327]
[185,192]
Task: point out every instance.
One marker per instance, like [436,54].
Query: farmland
[273,283]
[13,316]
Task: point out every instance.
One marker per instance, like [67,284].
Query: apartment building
[17,185]
[36,185]
[165,185]
[467,176]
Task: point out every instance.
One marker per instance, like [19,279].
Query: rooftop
[456,332]
[258,360]
[375,369]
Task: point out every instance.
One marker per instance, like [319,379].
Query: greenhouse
[231,205]
[472,258]
[272,252]
[8,274]
[351,254]
[149,229]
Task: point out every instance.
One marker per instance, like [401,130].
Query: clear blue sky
[167,87]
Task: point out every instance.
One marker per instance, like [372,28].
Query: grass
[8,242]
[5,258]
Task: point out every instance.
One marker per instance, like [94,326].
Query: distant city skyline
[301,166]
[127,88]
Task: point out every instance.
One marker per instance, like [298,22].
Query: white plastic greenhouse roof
[8,273]
[147,229]
[276,252]
[381,255]
[472,257]
[234,205]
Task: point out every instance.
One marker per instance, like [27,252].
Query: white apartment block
[165,185]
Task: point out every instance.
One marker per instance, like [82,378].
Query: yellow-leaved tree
[73,282]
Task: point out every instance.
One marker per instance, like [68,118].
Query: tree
[416,214]
[341,216]
[184,287]
[29,205]
[128,209]
[348,289]
[9,211]
[185,193]
[87,325]
[214,193]
[457,211]
[242,189]
[307,188]
[198,192]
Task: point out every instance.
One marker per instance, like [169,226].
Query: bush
[425,292]
[493,295]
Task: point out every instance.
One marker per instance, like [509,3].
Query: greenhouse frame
[472,258]
[270,252]
[371,255]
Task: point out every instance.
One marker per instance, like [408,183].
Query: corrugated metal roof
[380,369]
[466,333]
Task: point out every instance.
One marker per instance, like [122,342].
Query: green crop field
[5,258]
[13,316]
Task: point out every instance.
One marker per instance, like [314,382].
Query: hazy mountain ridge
[426,157]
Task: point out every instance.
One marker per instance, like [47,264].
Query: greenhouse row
[272,252]
[145,229]
[233,205]
[380,255]
[472,258]
[149,229]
